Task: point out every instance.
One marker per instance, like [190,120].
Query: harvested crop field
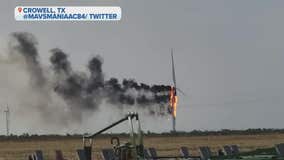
[18,149]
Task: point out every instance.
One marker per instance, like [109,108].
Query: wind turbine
[7,112]
[173,94]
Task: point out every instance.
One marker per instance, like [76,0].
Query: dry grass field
[19,149]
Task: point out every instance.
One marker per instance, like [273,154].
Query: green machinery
[133,149]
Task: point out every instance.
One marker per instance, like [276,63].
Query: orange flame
[173,101]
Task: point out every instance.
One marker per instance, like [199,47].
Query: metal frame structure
[136,139]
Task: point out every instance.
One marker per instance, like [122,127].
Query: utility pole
[7,113]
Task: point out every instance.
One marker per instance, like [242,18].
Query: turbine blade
[182,92]
[173,68]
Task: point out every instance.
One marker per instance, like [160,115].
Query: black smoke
[27,48]
[87,91]
[60,62]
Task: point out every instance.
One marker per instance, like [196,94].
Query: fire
[173,101]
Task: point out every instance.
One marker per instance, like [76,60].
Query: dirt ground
[19,149]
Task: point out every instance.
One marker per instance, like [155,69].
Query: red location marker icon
[20,9]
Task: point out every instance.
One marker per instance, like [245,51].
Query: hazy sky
[228,54]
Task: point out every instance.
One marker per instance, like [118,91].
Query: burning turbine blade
[173,101]
[173,97]
[175,105]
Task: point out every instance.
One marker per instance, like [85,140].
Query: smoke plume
[80,92]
